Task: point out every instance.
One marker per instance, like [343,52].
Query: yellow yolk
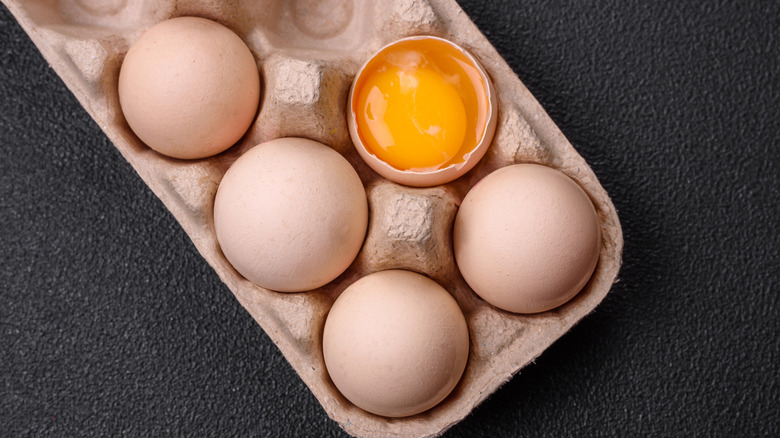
[415,117]
[420,105]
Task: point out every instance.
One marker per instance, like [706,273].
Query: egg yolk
[420,105]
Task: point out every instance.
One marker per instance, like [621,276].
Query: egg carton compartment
[307,53]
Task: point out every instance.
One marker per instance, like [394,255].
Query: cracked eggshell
[426,178]
[189,88]
[291,214]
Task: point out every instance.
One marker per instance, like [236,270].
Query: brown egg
[189,88]
[526,238]
[291,214]
[395,343]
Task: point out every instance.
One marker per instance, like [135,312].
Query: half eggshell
[434,177]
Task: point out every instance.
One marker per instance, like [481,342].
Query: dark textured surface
[111,323]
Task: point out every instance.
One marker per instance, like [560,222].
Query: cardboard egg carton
[307,52]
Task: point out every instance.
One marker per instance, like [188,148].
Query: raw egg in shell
[422,111]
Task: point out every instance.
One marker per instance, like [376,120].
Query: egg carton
[308,52]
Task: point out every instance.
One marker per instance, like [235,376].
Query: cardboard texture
[307,53]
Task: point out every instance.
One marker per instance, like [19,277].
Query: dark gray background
[112,324]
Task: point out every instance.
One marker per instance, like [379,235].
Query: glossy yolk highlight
[414,117]
[417,105]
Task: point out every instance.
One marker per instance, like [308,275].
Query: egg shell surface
[291,214]
[189,87]
[395,343]
[526,238]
